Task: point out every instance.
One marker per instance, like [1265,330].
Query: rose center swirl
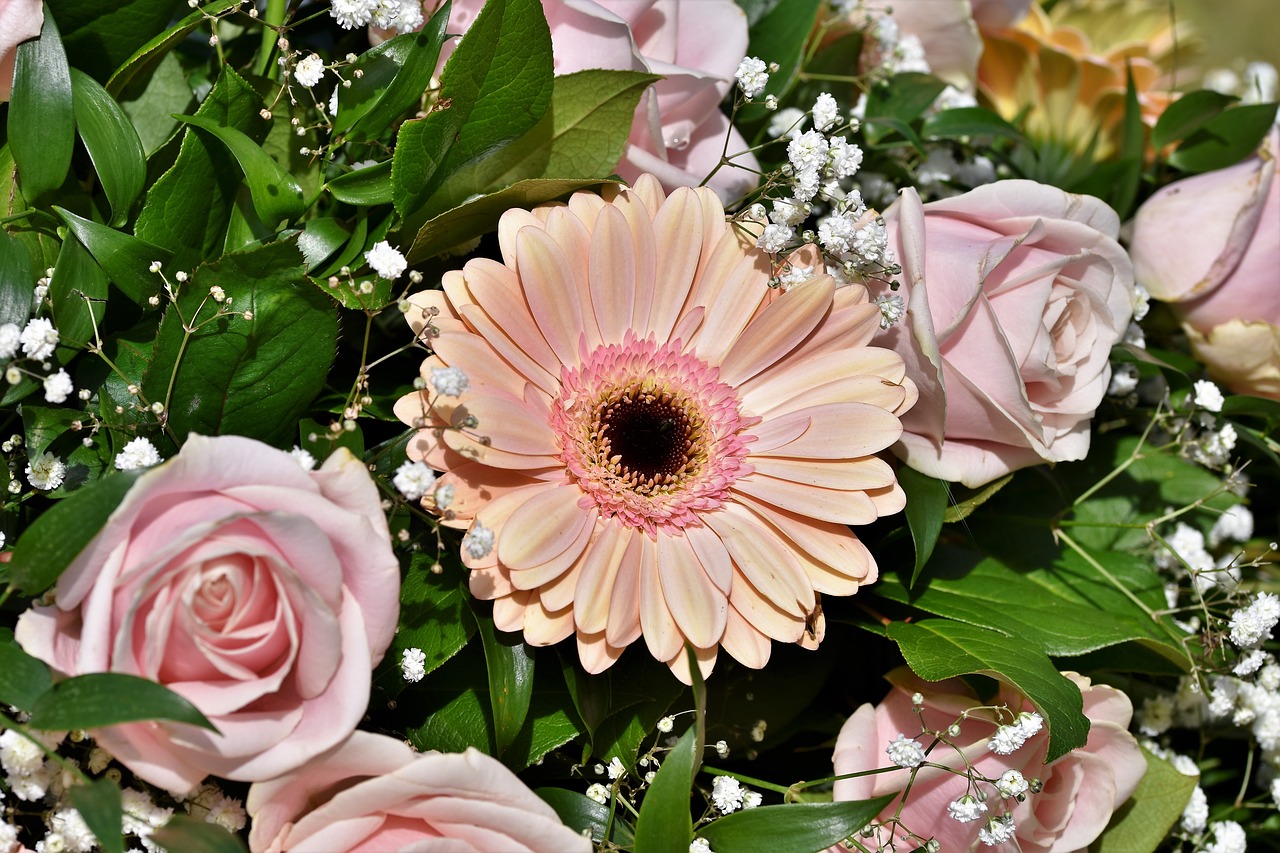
[649,433]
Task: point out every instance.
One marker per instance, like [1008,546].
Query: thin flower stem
[1134,456]
[273,20]
[4,596]
[1102,570]
[758,783]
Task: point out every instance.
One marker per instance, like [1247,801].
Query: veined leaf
[276,195]
[42,113]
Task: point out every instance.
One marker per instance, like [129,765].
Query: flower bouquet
[643,425]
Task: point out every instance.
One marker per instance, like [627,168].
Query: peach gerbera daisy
[660,444]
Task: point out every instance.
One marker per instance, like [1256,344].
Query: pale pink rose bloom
[261,592]
[947,32]
[678,132]
[19,20]
[1210,244]
[1081,789]
[993,14]
[664,446]
[1016,292]
[374,794]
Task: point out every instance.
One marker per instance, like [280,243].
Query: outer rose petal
[349,795]
[19,20]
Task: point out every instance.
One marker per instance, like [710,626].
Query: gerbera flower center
[650,433]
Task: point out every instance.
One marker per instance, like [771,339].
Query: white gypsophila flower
[1184,549]
[385,14]
[1222,697]
[414,480]
[787,121]
[1235,525]
[413,665]
[228,813]
[1030,722]
[826,113]
[598,792]
[309,71]
[808,151]
[1184,764]
[1275,791]
[352,14]
[835,233]
[10,340]
[774,238]
[1269,677]
[1124,380]
[46,471]
[1196,813]
[966,809]
[952,98]
[449,381]
[794,276]
[1221,80]
[1156,714]
[788,211]
[410,17]
[722,748]
[758,730]
[1134,336]
[8,837]
[18,755]
[1252,624]
[442,495]
[58,387]
[138,453]
[845,158]
[75,832]
[726,793]
[1012,783]
[905,752]
[39,339]
[615,768]
[998,830]
[303,458]
[1207,395]
[1141,302]
[666,724]
[752,76]
[700,845]
[1006,740]
[871,242]
[141,815]
[805,184]
[53,842]
[1228,837]
[478,542]
[1261,80]
[892,309]
[386,260]
[751,799]
[98,760]
[1250,663]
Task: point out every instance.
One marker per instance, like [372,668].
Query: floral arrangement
[636,425]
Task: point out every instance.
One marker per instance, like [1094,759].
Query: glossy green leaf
[156,46]
[106,698]
[510,666]
[62,531]
[1188,114]
[641,691]
[154,98]
[187,209]
[1143,821]
[124,258]
[780,35]
[968,121]
[1225,139]
[22,677]
[17,280]
[101,36]
[434,615]
[940,648]
[926,505]
[112,143]
[276,194]
[793,827]
[582,135]
[252,377]
[391,78]
[497,86]
[476,218]
[579,812]
[665,823]
[186,834]
[99,804]
[370,185]
[320,238]
[77,294]
[901,100]
[41,113]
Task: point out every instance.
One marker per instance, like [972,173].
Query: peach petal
[656,623]
[600,564]
[726,318]
[645,255]
[677,232]
[867,472]
[712,555]
[762,560]
[575,240]
[697,607]
[764,616]
[476,485]
[558,593]
[486,369]
[508,611]
[778,329]
[524,361]
[509,226]
[823,504]
[543,627]
[706,662]
[542,528]
[612,273]
[595,652]
[547,275]
[539,576]
[624,602]
[835,431]
[744,642]
[832,550]
[774,390]
[488,584]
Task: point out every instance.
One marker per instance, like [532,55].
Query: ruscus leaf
[793,827]
[665,823]
[106,698]
[42,113]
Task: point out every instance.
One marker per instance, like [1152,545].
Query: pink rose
[19,20]
[993,14]
[946,32]
[374,793]
[678,131]
[1223,274]
[1016,292]
[261,592]
[1081,789]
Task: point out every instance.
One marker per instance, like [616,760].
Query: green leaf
[579,812]
[100,37]
[641,691]
[477,218]
[496,85]
[153,99]
[665,824]
[939,648]
[582,135]
[41,113]
[962,509]
[1187,115]
[780,36]
[276,195]
[251,377]
[157,46]
[901,100]
[434,615]
[367,186]
[968,121]
[510,668]
[926,504]
[107,698]
[125,259]
[389,79]
[22,677]
[99,804]
[1124,187]
[1223,140]
[62,531]
[1146,818]
[78,294]
[320,238]
[17,280]
[186,834]
[792,828]
[188,207]
[112,143]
